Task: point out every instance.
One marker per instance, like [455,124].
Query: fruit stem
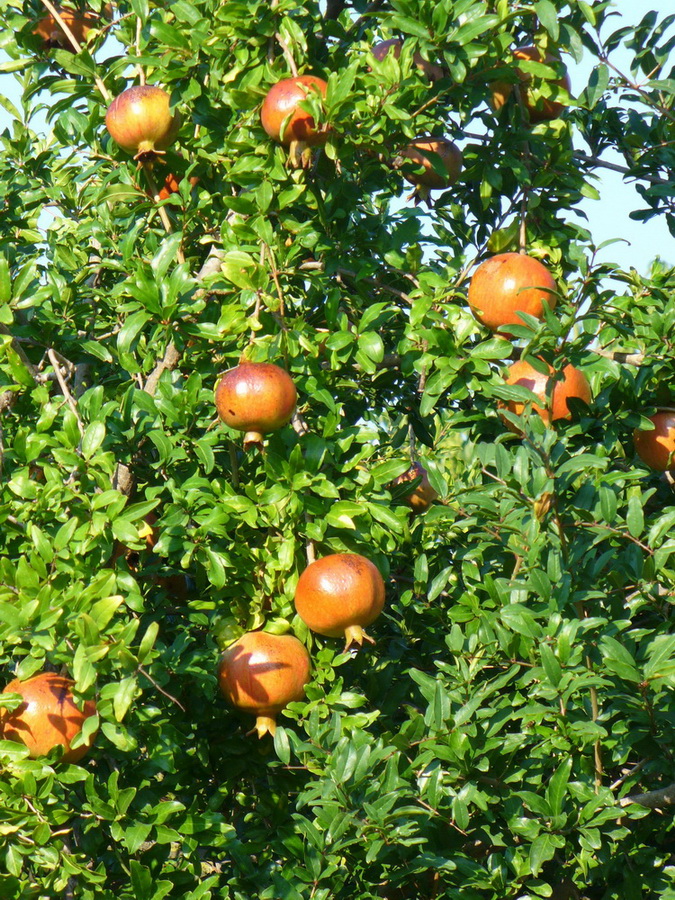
[253,439]
[355,635]
[264,725]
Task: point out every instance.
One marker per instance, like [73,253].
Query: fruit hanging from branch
[340,594]
[262,673]
[656,447]
[422,495]
[141,122]
[286,122]
[508,284]
[553,393]
[425,152]
[395,45]
[171,185]
[538,109]
[48,717]
[79,23]
[256,398]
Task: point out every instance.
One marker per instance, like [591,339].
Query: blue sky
[608,217]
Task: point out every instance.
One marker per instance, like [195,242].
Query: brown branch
[152,681]
[65,390]
[75,45]
[317,266]
[625,170]
[287,54]
[630,359]
[652,799]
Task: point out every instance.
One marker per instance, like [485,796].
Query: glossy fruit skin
[572,384]
[507,284]
[48,717]
[140,121]
[431,70]
[657,448]
[542,110]
[79,23]
[450,155]
[261,673]
[422,496]
[340,594]
[282,100]
[256,398]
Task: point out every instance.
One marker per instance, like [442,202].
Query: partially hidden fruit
[421,153]
[508,284]
[141,122]
[339,595]
[539,109]
[261,673]
[48,716]
[394,45]
[172,185]
[79,23]
[572,384]
[656,448]
[286,122]
[256,398]
[423,495]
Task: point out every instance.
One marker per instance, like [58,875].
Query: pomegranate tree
[422,495]
[261,673]
[340,594]
[508,284]
[141,122]
[422,152]
[48,717]
[395,45]
[256,398]
[541,109]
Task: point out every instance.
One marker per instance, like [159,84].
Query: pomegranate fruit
[541,109]
[423,495]
[656,448]
[48,716]
[53,36]
[573,383]
[256,398]
[287,123]
[141,122]
[507,284]
[261,673]
[419,152]
[340,594]
[432,71]
[172,185]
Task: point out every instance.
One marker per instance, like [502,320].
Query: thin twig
[152,681]
[652,799]
[65,390]
[163,215]
[317,266]
[287,54]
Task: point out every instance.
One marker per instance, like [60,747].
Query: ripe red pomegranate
[340,594]
[507,284]
[422,496]
[256,398]
[261,673]
[572,384]
[538,109]
[48,716]
[432,71]
[141,122]
[418,153]
[79,23]
[283,101]
[172,185]
[657,448]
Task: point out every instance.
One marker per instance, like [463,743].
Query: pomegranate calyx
[253,439]
[354,638]
[263,725]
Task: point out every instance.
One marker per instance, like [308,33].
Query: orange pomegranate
[573,383]
[422,496]
[79,23]
[656,448]
[394,45]
[141,122]
[340,594]
[261,673]
[256,398]
[419,152]
[172,185]
[508,284]
[285,121]
[48,717]
[538,109]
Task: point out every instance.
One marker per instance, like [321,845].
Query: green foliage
[522,680]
